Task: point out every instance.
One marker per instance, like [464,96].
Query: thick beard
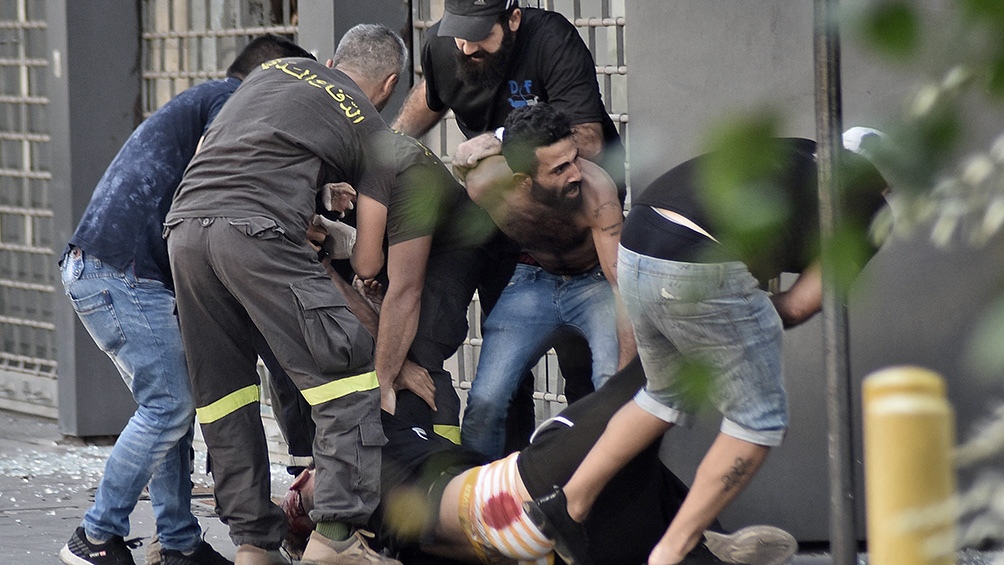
[556,200]
[488,72]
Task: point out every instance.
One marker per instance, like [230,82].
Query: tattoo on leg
[739,470]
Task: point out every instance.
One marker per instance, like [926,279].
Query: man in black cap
[486,58]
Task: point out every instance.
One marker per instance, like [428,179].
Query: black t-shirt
[292,126]
[549,63]
[771,221]
[421,196]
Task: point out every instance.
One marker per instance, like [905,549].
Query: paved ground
[47,482]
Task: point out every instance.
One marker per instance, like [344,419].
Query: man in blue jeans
[116,273]
[564,213]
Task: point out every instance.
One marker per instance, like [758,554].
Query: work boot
[755,545]
[353,551]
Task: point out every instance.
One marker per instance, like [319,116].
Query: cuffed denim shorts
[706,330]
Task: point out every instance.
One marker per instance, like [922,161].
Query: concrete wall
[94,106]
[693,63]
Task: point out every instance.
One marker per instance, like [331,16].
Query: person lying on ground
[442,503]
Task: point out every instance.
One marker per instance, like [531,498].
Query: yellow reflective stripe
[451,433]
[228,404]
[340,388]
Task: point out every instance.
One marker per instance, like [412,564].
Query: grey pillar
[322,24]
[94,95]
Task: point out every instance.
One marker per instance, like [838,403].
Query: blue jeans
[132,320]
[531,309]
[712,314]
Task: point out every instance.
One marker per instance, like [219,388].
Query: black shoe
[701,555]
[550,514]
[79,551]
[203,555]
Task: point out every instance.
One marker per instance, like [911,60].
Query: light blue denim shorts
[713,316]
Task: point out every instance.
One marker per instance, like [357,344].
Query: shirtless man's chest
[559,240]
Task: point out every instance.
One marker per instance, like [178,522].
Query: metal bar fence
[27,330]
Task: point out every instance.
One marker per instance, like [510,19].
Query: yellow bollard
[909,434]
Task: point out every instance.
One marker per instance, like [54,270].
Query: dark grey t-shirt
[421,196]
[291,127]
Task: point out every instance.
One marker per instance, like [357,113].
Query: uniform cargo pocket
[371,439]
[259,227]
[337,341]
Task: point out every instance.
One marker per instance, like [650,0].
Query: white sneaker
[752,545]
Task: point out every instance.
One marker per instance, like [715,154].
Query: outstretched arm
[399,310]
[416,118]
[406,262]
[371,224]
[803,299]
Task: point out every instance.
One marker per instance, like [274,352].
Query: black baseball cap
[472,19]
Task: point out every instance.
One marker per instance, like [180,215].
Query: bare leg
[629,432]
[723,474]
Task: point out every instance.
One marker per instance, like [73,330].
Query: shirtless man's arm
[606,219]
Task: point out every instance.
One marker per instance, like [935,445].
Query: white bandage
[494,517]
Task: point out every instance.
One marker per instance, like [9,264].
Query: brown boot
[353,551]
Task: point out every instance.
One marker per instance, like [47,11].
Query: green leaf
[891,27]
[995,77]
[983,10]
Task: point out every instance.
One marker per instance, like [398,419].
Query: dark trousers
[235,275]
[637,504]
[450,281]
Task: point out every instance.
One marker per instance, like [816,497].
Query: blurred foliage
[756,189]
[891,27]
[737,180]
[432,198]
[696,382]
[962,57]
[408,513]
[957,196]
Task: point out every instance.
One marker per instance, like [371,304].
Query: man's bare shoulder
[599,193]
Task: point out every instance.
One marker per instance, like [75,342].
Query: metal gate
[186,42]
[27,326]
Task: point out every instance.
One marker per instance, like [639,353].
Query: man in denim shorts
[690,279]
